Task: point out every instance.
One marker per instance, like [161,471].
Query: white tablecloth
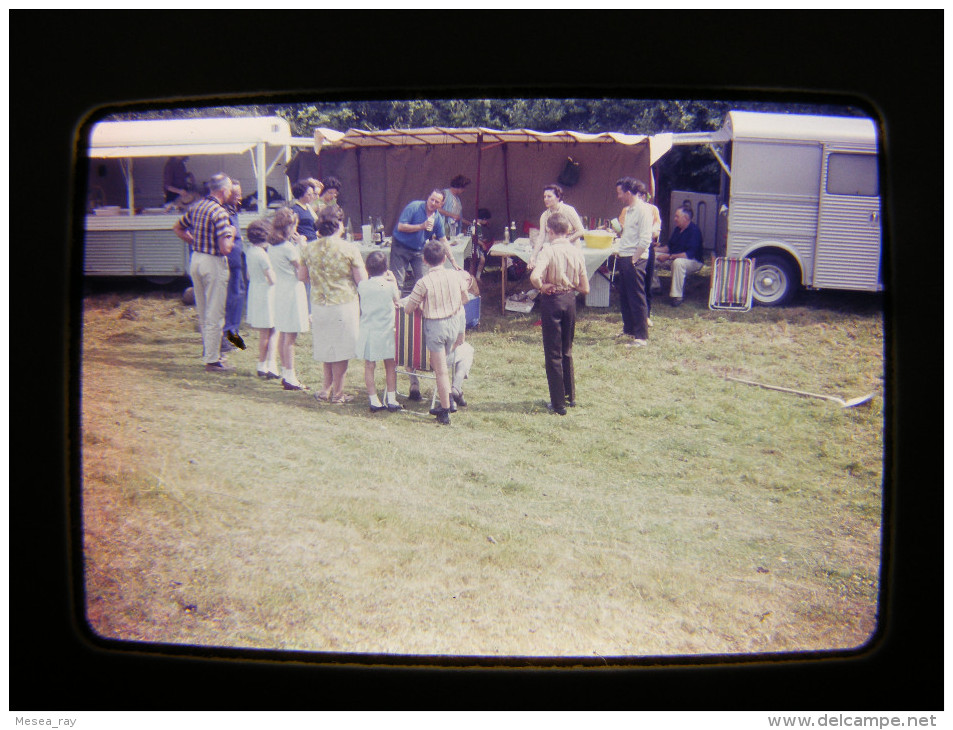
[522,248]
[459,247]
[367,248]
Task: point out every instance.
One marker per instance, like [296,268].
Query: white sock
[272,366]
[262,366]
[391,397]
[375,401]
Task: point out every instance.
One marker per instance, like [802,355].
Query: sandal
[343,398]
[321,396]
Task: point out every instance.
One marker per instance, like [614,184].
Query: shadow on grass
[247,385]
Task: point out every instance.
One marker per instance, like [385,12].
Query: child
[378,295]
[484,240]
[291,303]
[440,295]
[261,297]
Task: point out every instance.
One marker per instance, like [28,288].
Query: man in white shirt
[633,260]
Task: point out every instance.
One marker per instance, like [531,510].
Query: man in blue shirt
[418,223]
[684,253]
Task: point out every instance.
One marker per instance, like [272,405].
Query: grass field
[672,512]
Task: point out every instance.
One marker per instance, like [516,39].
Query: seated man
[684,252]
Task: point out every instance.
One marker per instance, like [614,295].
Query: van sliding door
[849,230]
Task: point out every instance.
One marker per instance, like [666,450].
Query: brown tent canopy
[383,171]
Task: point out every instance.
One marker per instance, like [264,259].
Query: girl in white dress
[375,340]
[291,301]
[261,297]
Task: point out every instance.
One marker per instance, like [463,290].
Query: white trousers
[461,360]
[680,269]
[210,283]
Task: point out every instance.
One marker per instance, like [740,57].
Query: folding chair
[411,344]
[732,283]
[412,347]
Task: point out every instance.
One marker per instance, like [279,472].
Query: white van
[803,200]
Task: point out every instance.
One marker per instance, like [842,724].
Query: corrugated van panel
[773,219]
[739,244]
[848,249]
[159,253]
[108,254]
[853,269]
[849,237]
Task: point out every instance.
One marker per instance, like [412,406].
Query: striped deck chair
[409,339]
[411,347]
[732,282]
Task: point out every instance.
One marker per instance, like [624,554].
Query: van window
[852,174]
[784,169]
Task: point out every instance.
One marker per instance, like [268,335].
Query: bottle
[379,232]
[349,231]
[506,235]
[513,231]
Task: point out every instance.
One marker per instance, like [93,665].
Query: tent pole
[130,191]
[261,184]
[506,187]
[360,191]
[474,258]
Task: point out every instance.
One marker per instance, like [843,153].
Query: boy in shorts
[440,295]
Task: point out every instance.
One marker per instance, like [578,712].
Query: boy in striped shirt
[440,295]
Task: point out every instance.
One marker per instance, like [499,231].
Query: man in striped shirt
[559,274]
[440,295]
[209,233]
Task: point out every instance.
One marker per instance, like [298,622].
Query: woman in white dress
[291,302]
[261,297]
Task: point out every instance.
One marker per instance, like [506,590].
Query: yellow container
[598,239]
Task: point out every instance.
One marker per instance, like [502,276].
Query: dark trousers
[649,277]
[558,315]
[632,297]
[235,297]
[402,259]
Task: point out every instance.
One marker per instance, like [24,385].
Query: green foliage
[683,168]
[631,116]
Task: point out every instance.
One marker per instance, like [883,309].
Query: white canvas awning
[193,137]
[182,137]
[169,150]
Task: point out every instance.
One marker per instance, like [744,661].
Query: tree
[683,168]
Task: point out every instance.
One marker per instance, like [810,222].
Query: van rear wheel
[774,282]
